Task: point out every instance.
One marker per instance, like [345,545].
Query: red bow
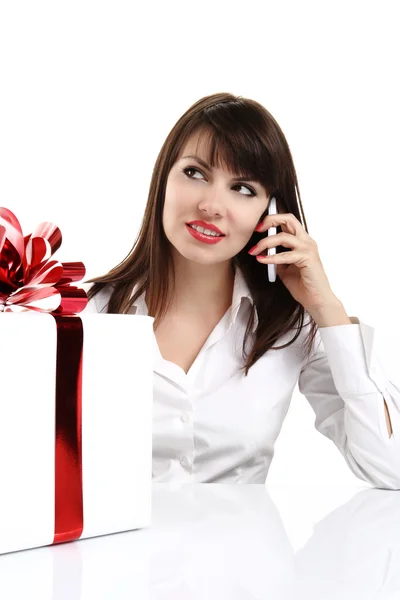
[29,280]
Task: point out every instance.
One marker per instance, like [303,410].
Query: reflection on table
[228,542]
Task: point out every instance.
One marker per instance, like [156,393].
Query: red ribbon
[29,280]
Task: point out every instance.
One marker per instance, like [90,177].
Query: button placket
[185,418]
[184,462]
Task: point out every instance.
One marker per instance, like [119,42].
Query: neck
[203,289]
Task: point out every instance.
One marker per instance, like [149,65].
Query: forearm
[335,314]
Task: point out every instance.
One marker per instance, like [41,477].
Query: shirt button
[185,418]
[184,462]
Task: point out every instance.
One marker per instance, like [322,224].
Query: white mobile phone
[272,231]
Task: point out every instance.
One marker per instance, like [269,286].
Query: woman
[217,315]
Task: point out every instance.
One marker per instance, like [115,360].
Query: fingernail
[259,227]
[252,249]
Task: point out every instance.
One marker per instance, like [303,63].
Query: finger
[281,258]
[287,221]
[287,240]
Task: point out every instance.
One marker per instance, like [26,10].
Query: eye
[238,185]
[190,169]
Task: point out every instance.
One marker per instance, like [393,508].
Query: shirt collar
[240,291]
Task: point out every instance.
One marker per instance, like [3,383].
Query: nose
[212,200]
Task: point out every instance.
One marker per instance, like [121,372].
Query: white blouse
[213,424]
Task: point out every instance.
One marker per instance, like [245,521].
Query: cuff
[353,361]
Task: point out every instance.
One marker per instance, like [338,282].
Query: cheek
[179,204]
[246,222]
[176,210]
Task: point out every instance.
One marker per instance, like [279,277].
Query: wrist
[330,314]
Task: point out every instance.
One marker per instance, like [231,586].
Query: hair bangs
[241,154]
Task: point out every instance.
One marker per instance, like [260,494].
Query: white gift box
[117,397]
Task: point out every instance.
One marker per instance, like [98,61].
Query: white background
[90,90]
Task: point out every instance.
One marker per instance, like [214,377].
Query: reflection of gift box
[75,402]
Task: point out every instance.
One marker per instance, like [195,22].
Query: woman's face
[195,192]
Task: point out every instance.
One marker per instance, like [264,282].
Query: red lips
[206,226]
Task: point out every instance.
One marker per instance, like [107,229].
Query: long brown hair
[246,137]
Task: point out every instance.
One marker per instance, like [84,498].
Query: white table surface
[228,542]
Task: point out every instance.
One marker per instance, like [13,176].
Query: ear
[265,213]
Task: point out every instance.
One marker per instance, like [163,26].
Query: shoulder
[97,304]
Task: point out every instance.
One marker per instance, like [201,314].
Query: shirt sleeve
[346,385]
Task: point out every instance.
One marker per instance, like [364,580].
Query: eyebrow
[206,166]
